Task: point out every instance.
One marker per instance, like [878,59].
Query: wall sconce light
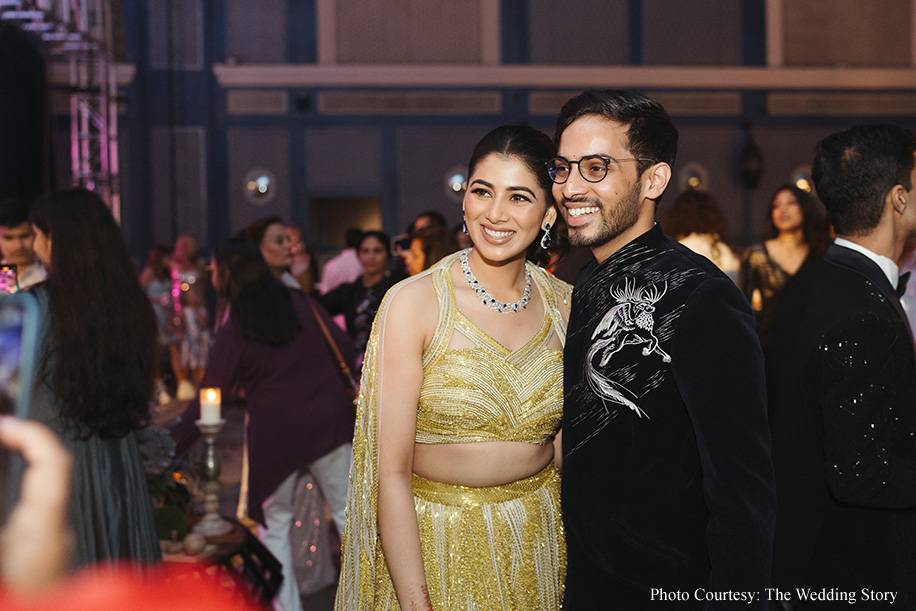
[260,187]
[801,178]
[693,176]
[456,183]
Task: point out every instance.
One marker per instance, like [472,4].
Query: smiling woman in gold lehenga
[454,496]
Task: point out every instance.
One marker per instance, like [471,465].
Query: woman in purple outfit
[273,349]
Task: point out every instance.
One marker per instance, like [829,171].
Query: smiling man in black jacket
[668,495]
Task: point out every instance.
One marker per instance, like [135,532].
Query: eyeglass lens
[592,168]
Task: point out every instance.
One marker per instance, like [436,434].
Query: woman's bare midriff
[488,463]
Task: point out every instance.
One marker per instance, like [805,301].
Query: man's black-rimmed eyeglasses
[592,168]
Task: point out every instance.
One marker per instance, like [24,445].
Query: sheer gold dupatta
[361,549]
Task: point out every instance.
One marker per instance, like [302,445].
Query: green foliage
[170,519]
[168,489]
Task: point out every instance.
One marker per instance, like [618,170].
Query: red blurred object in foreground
[193,588]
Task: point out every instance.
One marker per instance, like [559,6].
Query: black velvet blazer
[844,433]
[667,477]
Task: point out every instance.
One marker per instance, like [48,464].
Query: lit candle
[757,300]
[209,405]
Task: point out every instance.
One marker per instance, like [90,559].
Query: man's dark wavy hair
[14,211]
[651,134]
[100,348]
[855,169]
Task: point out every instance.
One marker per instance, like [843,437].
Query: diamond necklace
[488,299]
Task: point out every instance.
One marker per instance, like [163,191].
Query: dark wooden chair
[255,571]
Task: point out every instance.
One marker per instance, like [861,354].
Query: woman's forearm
[400,535]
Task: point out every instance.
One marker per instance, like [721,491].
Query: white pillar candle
[209,405]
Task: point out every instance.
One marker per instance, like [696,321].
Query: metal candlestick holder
[212,524]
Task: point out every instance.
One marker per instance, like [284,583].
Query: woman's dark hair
[435,242]
[533,147]
[695,212]
[381,236]
[257,228]
[262,304]
[814,223]
[433,217]
[100,348]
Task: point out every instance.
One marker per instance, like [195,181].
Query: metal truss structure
[80,33]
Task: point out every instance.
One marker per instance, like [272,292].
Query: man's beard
[614,221]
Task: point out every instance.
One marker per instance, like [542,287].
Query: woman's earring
[464,224]
[545,239]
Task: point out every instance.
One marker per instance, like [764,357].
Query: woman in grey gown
[95,373]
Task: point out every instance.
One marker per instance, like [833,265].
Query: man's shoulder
[827,299]
[823,281]
[673,272]
[667,256]
[684,272]
[699,288]
[689,259]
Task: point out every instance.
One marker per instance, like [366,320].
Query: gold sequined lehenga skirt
[489,549]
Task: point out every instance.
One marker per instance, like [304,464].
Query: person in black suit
[844,407]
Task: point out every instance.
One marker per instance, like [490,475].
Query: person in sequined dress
[844,406]
[454,496]
[796,235]
[156,280]
[188,283]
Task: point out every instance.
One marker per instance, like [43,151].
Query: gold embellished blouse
[488,392]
